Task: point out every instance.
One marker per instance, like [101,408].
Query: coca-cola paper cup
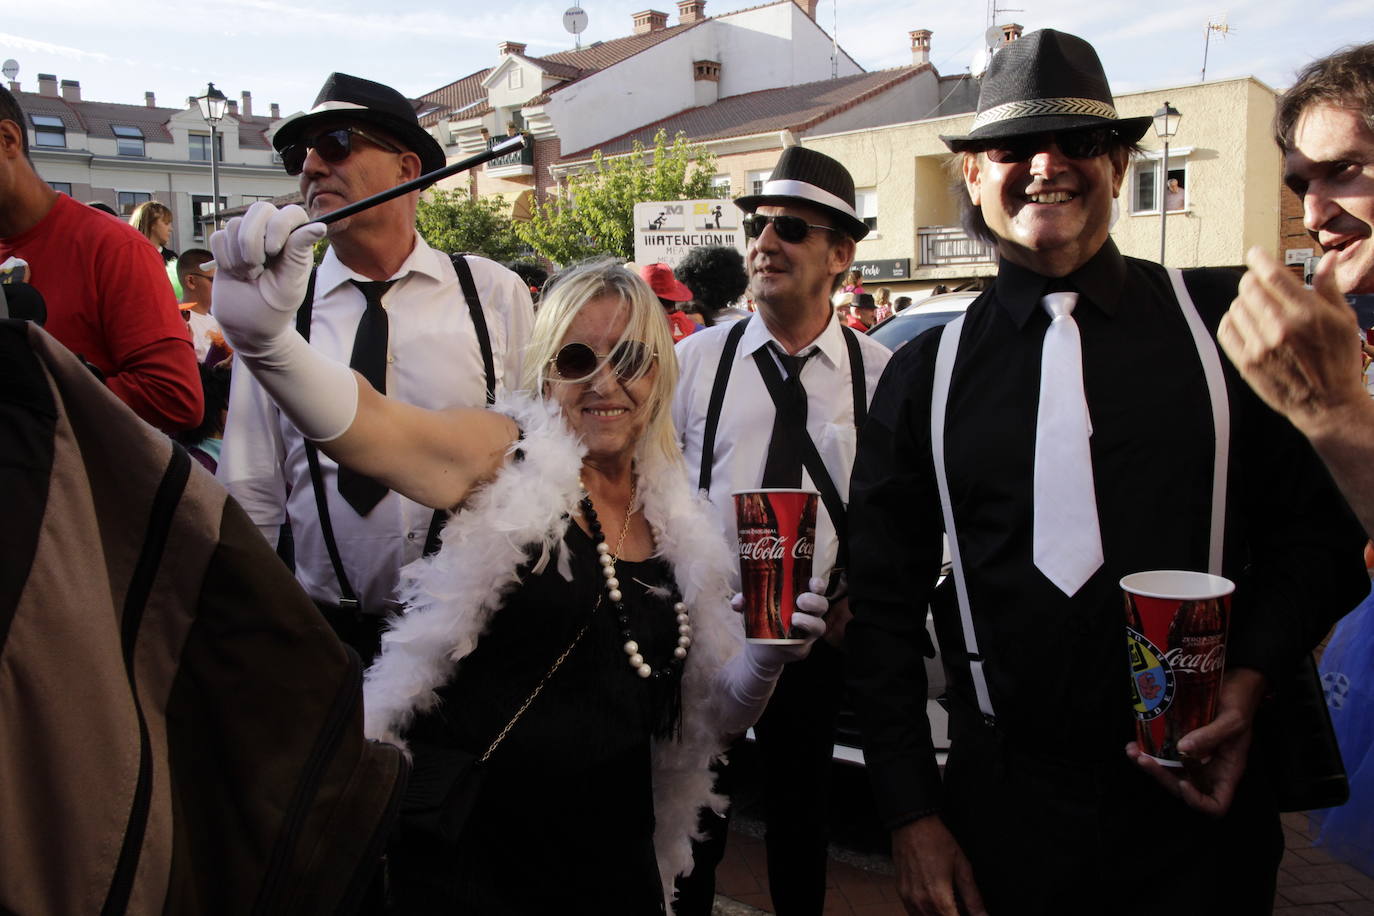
[1176,624]
[777,538]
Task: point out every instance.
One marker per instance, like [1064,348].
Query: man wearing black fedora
[430,329]
[1077,425]
[775,401]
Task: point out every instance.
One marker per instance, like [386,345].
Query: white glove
[746,681]
[262,270]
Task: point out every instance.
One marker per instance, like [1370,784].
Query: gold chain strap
[558,662]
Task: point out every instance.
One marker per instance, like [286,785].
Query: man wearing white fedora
[776,401]
[1076,426]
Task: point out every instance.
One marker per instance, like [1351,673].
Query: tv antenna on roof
[1222,29]
[575,21]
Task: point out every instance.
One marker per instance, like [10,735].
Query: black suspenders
[348,599]
[811,458]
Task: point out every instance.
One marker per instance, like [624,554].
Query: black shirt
[565,813]
[1056,665]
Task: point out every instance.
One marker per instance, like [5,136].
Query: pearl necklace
[607,558]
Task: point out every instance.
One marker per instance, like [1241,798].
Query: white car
[904,327]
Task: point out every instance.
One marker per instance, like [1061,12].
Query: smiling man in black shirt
[1129,445]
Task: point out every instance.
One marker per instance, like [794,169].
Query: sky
[282,50]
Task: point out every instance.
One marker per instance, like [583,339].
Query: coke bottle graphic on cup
[1197,654]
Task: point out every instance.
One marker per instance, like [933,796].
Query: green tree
[452,221]
[594,214]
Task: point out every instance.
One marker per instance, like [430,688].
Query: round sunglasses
[331,146]
[789,228]
[577,362]
[1075,144]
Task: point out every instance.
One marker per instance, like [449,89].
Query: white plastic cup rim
[1177,584]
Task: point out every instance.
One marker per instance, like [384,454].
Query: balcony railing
[944,246]
[521,157]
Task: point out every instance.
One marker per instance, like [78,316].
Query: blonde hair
[565,295]
[147,215]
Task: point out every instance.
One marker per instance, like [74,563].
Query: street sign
[666,230]
[888,269]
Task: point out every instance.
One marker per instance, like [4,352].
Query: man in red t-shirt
[107,294]
[671,294]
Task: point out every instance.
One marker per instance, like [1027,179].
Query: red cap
[665,286]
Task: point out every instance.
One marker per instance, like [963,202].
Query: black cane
[508,145]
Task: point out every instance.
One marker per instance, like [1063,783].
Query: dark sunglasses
[577,362]
[331,146]
[789,228]
[1076,144]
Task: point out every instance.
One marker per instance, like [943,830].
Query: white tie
[1067,540]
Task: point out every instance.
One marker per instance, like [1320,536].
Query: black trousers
[1063,835]
[795,738]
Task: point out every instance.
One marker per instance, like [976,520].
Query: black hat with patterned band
[1045,81]
[352,98]
[805,176]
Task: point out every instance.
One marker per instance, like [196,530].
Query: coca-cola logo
[1207,662]
[774,547]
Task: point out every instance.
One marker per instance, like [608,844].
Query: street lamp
[1166,125]
[212,107]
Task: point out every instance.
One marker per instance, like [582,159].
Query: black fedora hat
[1045,81]
[352,98]
[806,176]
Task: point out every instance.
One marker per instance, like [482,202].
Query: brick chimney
[511,47]
[71,90]
[14,86]
[233,108]
[650,21]
[276,111]
[1010,32]
[247,104]
[920,47]
[706,76]
[47,85]
[808,7]
[689,11]
[150,99]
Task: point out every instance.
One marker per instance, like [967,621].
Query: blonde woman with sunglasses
[574,630]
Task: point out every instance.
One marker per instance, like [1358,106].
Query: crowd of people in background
[381,411]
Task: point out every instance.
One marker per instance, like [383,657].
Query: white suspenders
[1221,425]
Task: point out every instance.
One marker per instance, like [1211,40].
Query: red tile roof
[603,54]
[97,118]
[789,108]
[455,96]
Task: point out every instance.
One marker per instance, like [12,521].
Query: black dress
[564,821]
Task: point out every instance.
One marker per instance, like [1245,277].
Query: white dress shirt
[433,361]
[201,326]
[746,420]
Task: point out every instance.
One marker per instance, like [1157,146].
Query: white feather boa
[523,512]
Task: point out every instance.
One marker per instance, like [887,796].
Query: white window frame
[866,205]
[219,146]
[134,134]
[1150,162]
[59,128]
[515,78]
[119,208]
[755,179]
[720,186]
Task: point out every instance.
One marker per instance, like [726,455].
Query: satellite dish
[10,69]
[993,36]
[981,58]
[575,20]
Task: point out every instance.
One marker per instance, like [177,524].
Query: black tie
[369,358]
[784,465]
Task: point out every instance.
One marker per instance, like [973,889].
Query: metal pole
[214,174]
[1163,198]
